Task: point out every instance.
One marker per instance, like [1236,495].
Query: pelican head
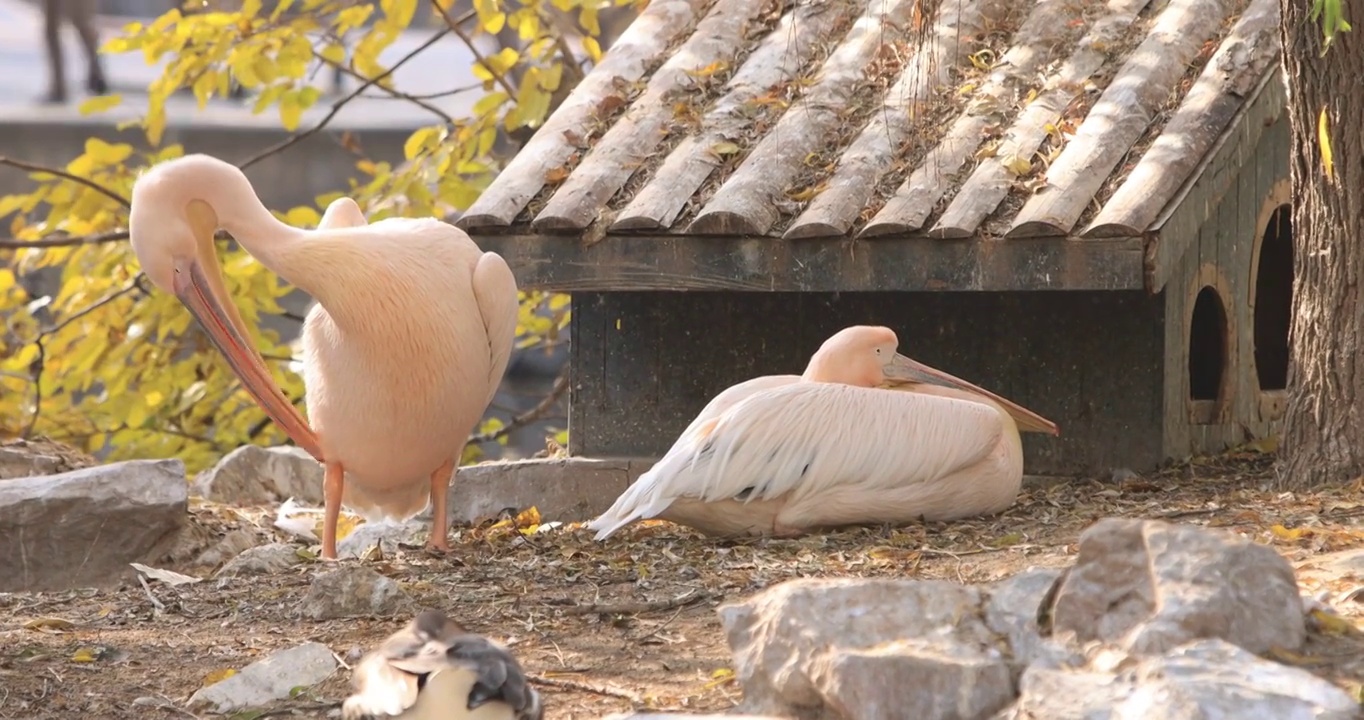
[867,356]
[172,223]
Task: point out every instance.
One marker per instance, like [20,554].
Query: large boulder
[867,649]
[1148,586]
[83,528]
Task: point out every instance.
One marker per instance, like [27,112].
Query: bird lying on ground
[433,669]
[402,352]
[864,436]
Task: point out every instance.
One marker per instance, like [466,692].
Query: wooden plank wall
[1224,248]
[645,363]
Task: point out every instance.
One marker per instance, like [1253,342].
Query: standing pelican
[865,435]
[433,669]
[402,352]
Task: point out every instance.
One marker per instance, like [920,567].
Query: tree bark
[1323,434]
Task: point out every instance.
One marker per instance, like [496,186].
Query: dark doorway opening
[1274,300]
[1207,346]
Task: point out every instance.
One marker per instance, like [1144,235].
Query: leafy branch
[104,362]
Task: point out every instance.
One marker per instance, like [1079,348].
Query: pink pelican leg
[440,513]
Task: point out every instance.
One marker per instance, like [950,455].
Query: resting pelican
[865,435]
[402,352]
[433,669]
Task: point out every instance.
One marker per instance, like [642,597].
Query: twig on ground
[156,603]
[606,690]
[637,607]
[336,107]
[34,167]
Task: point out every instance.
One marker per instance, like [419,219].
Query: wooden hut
[1079,204]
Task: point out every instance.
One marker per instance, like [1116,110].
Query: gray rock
[1149,586]
[82,528]
[255,475]
[1201,680]
[386,534]
[270,679]
[17,464]
[1215,679]
[352,591]
[263,560]
[563,489]
[1058,694]
[829,647]
[1011,612]
[922,678]
[228,547]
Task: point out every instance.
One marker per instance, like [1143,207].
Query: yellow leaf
[419,141]
[84,655]
[50,624]
[399,12]
[1284,533]
[724,148]
[103,154]
[593,49]
[218,676]
[1324,140]
[1333,624]
[290,111]
[490,102]
[303,216]
[709,70]
[1017,165]
[6,280]
[334,52]
[528,517]
[100,103]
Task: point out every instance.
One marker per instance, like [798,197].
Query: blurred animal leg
[331,500]
[440,493]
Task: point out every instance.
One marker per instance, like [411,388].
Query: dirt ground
[629,623]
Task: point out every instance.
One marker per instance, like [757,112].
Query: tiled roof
[889,118]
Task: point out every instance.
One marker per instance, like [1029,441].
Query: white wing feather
[802,438]
[639,500]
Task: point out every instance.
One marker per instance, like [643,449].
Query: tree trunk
[1323,435]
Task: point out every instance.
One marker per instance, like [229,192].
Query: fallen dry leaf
[50,625]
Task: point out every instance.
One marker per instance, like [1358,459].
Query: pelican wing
[638,500]
[802,438]
[495,291]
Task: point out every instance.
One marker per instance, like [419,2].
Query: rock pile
[1153,620]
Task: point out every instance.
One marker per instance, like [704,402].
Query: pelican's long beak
[206,301]
[904,369]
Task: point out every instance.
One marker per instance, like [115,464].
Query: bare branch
[107,237]
[36,368]
[531,415]
[393,94]
[457,30]
[34,167]
[336,107]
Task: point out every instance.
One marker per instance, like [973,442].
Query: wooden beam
[1178,225]
[764,264]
